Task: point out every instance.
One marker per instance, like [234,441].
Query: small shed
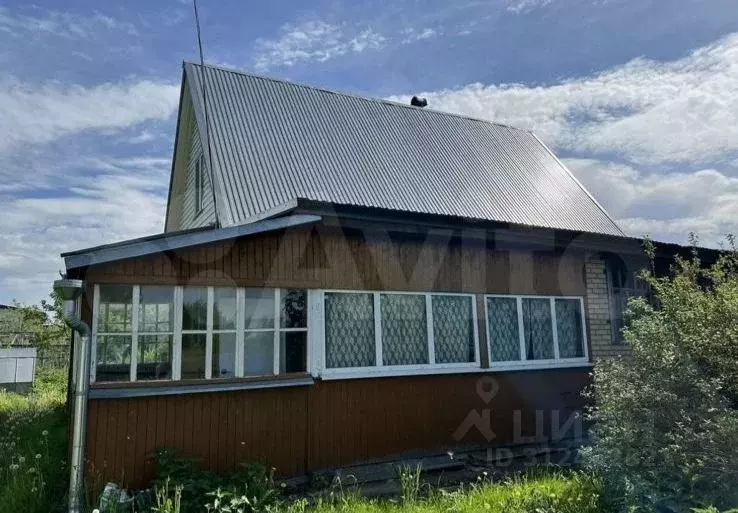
[17,368]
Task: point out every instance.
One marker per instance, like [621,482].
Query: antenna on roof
[205,108]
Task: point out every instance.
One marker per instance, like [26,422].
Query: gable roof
[274,142]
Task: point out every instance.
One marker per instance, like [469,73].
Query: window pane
[224,355]
[113,357]
[349,330]
[114,315]
[154,357]
[293,351]
[193,355]
[195,309]
[569,328]
[404,329]
[537,329]
[294,309]
[259,308]
[453,329]
[156,310]
[224,308]
[258,353]
[504,334]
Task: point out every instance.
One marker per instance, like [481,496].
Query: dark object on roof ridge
[418,102]
[274,141]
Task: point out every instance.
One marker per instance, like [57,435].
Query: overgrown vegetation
[251,488]
[665,421]
[33,444]
[541,493]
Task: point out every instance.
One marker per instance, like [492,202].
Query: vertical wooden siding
[326,257]
[327,424]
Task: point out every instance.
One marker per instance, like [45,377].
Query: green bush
[251,487]
[665,424]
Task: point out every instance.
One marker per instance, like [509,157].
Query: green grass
[556,492]
[33,445]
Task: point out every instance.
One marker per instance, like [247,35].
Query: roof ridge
[352,95]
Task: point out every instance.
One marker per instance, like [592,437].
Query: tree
[665,423]
[38,325]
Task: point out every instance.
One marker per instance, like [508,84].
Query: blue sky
[636,96]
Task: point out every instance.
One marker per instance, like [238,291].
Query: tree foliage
[665,424]
[38,325]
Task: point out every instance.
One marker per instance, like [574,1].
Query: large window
[159,333]
[533,331]
[375,333]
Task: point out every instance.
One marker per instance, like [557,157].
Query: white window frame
[176,356]
[556,362]
[134,333]
[379,370]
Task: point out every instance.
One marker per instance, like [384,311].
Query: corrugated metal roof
[275,141]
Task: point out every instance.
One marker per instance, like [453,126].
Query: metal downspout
[70,290]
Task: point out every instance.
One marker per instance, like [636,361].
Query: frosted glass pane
[537,329]
[453,329]
[569,328]
[349,330]
[504,334]
[404,329]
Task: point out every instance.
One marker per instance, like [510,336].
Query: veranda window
[535,331]
[276,328]
[392,332]
[157,333]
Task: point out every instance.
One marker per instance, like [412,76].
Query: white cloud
[60,24]
[412,35]
[664,206]
[645,111]
[313,41]
[525,6]
[126,200]
[43,113]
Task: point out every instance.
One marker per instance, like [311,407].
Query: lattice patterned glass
[537,329]
[349,330]
[504,334]
[569,328]
[404,329]
[453,329]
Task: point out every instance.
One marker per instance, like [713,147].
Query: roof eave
[169,242]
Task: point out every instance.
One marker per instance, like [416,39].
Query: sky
[637,97]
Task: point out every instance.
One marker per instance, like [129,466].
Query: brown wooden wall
[335,422]
[328,257]
[321,426]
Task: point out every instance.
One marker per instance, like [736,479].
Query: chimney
[418,102]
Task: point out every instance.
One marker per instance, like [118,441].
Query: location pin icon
[487,388]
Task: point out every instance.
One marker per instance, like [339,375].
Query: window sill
[200,386]
[337,374]
[540,365]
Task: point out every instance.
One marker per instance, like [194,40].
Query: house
[343,279]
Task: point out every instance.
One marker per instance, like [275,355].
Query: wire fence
[55,356]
